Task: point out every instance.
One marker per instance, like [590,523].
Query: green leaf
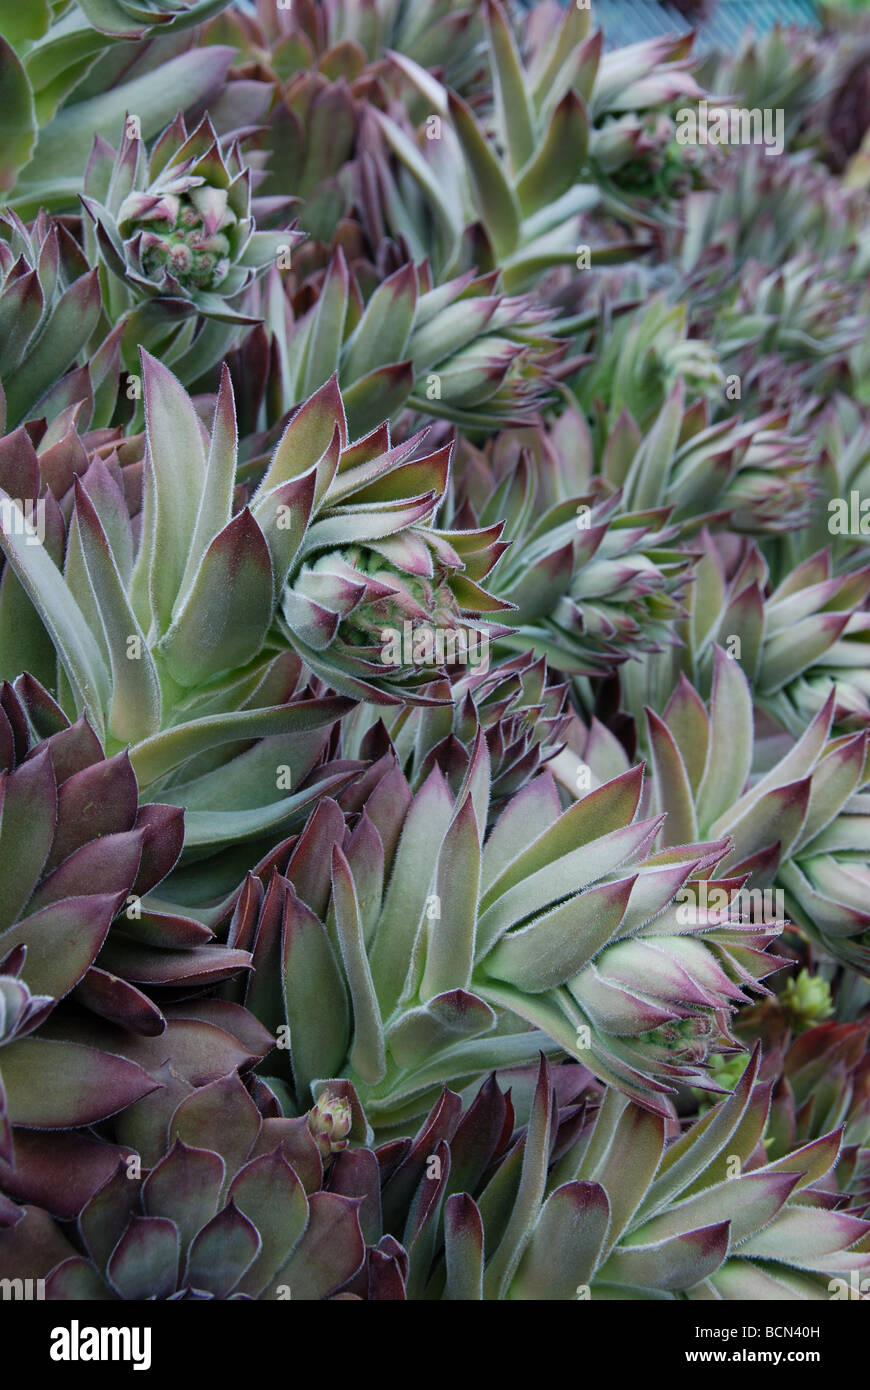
[315,998]
[607,809]
[76,648]
[163,752]
[559,943]
[729,755]
[424,828]
[30,21]
[566,1244]
[451,934]
[494,195]
[226,616]
[61,1085]
[134,709]
[367,1053]
[533,1179]
[53,177]
[216,504]
[326,333]
[175,478]
[73,320]
[463,1249]
[672,783]
[675,1264]
[270,1195]
[514,111]
[381,336]
[552,169]
[18,127]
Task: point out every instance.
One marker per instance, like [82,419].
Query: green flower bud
[330,1121]
[807,1000]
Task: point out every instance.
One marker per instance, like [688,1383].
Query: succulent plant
[592,582]
[530,202]
[233,1208]
[521,713]
[348,38]
[80,935]
[796,817]
[823,1081]
[460,350]
[50,306]
[329,562]
[610,1210]
[173,231]
[746,475]
[68,71]
[434,613]
[639,358]
[443,949]
[797,641]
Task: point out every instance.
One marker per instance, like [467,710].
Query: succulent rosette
[434,682]
[442,945]
[80,934]
[798,641]
[334,560]
[232,1206]
[50,304]
[521,712]
[173,231]
[797,816]
[620,1209]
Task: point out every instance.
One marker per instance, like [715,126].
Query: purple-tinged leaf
[184,1187]
[144,1263]
[222,1253]
[62,941]
[55,1085]
[270,1194]
[329,1253]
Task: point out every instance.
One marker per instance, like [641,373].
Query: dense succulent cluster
[434,657]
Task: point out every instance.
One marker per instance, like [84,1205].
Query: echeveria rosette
[439,948]
[497,189]
[174,234]
[746,475]
[460,350]
[822,1080]
[622,1211]
[368,619]
[351,36]
[233,1205]
[592,583]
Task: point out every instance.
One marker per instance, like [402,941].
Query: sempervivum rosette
[420,945]
[175,236]
[80,937]
[234,1205]
[182,635]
